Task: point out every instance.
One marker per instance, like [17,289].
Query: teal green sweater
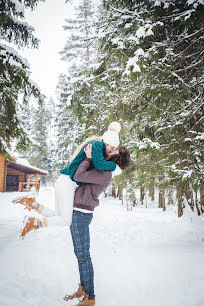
[97,159]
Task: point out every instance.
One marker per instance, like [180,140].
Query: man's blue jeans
[81,241]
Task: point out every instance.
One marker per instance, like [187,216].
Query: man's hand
[88,150]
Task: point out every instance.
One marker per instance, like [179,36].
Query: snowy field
[142,257]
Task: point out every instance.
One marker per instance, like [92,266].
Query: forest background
[138,62]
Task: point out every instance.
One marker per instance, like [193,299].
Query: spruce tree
[68,131]
[150,76]
[78,49]
[15,83]
[162,56]
[38,154]
[78,55]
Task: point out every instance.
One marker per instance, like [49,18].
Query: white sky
[45,64]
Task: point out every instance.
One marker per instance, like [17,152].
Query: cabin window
[12,180]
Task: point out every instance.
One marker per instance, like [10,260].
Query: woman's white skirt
[64,197]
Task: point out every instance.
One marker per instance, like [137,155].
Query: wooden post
[20,186]
[5,175]
[2,173]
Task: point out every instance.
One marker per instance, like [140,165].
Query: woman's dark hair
[122,159]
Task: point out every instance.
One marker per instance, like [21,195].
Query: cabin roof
[25,168]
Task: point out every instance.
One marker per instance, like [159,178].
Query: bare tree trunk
[180,206]
[161,195]
[113,192]
[196,203]
[202,200]
[160,200]
[142,194]
[163,202]
[152,194]
[87,46]
[146,199]
[190,199]
[129,204]
[120,193]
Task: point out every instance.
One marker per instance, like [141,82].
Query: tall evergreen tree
[78,54]
[78,50]
[150,75]
[38,154]
[51,115]
[14,70]
[68,131]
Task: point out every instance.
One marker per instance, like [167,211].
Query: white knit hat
[111,136]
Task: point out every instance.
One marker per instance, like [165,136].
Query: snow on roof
[25,163]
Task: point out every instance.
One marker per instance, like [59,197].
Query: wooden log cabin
[17,176]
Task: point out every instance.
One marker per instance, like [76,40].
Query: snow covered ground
[142,257]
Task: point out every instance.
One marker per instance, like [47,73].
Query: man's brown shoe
[80,292]
[86,301]
[31,224]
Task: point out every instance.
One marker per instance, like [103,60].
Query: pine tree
[14,71]
[162,48]
[79,49]
[150,76]
[38,154]
[68,131]
[78,54]
[51,115]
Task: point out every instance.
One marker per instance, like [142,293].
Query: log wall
[2,172]
[21,178]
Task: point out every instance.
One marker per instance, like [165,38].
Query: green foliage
[68,132]
[15,84]
[149,76]
[38,154]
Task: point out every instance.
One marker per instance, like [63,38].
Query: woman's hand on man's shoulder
[88,150]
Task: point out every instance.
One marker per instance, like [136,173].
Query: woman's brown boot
[29,203]
[80,292]
[31,224]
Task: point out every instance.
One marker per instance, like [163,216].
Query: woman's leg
[81,241]
[44,211]
[32,204]
[64,197]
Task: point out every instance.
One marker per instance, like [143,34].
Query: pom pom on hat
[114,126]
[111,136]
